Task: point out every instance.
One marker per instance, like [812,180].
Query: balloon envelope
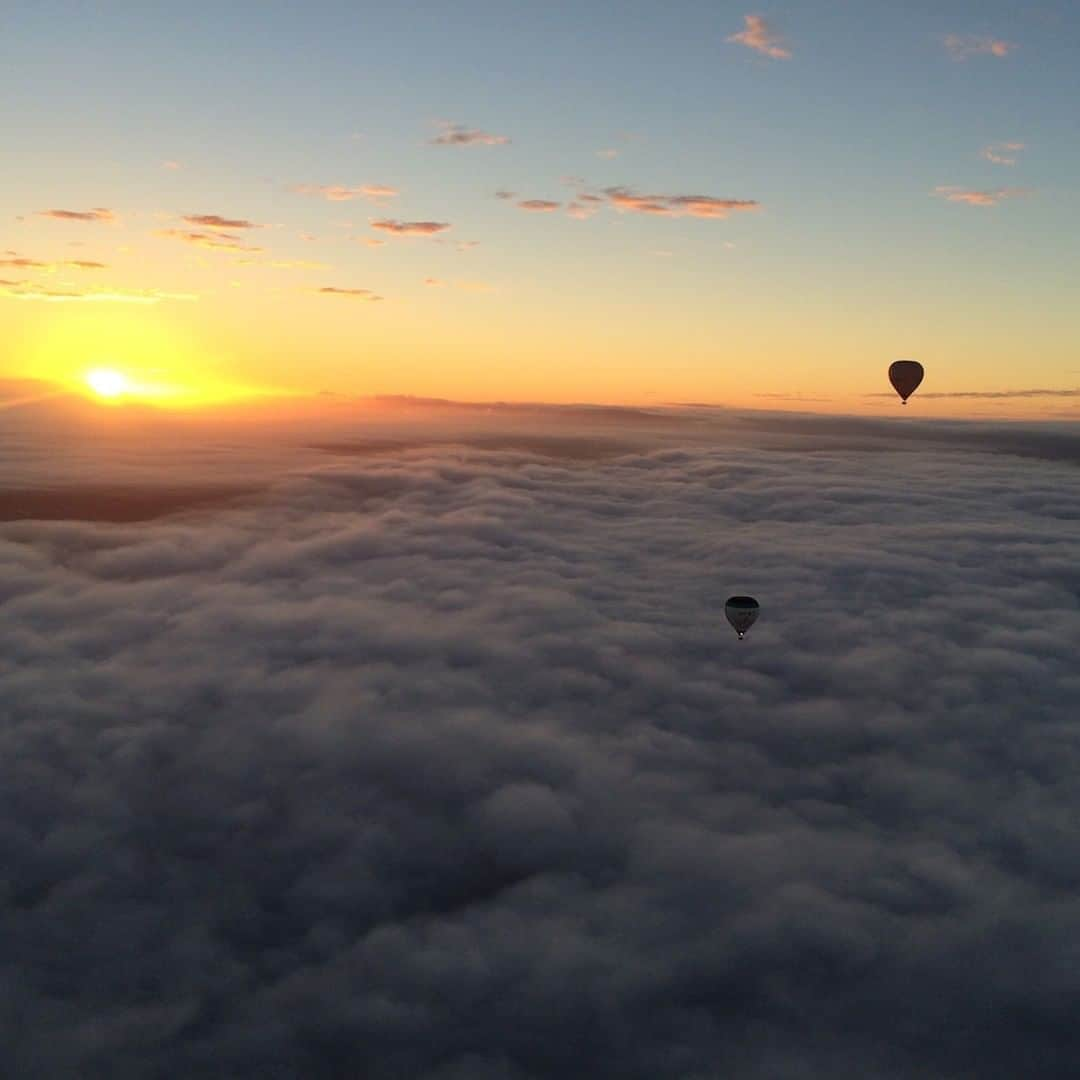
[905,375]
[741,611]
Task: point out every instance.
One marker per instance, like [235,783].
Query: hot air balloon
[905,375]
[741,611]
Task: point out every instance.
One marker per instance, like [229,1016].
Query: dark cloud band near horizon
[429,754]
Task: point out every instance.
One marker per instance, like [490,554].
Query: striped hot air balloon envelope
[741,612]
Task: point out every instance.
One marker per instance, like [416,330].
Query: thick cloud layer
[439,761]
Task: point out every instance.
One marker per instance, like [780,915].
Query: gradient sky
[863,136]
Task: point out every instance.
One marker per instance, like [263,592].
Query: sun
[107,383]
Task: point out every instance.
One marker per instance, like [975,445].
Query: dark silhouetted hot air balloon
[905,375]
[741,611]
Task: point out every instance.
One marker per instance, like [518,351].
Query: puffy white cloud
[428,752]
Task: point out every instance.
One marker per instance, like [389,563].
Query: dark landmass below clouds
[437,760]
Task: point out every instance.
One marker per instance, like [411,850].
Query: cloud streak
[410,228]
[339,193]
[992,394]
[216,221]
[351,294]
[979,198]
[1003,153]
[215,241]
[460,135]
[21,263]
[99,214]
[699,206]
[22,290]
[961,46]
[758,35]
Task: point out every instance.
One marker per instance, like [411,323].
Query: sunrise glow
[107,383]
[639,254]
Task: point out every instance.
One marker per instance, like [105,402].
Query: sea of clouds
[418,747]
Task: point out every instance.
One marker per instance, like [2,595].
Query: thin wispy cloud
[961,46]
[538,206]
[173,165]
[17,290]
[502,193]
[340,193]
[580,212]
[608,153]
[758,35]
[410,228]
[791,397]
[992,394]
[460,135]
[434,282]
[699,206]
[66,264]
[216,221]
[218,241]
[293,264]
[979,198]
[25,264]
[99,213]
[1002,153]
[351,294]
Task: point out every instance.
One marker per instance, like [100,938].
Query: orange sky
[209,239]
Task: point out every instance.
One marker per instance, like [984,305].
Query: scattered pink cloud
[759,36]
[410,228]
[539,206]
[978,198]
[435,282]
[699,206]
